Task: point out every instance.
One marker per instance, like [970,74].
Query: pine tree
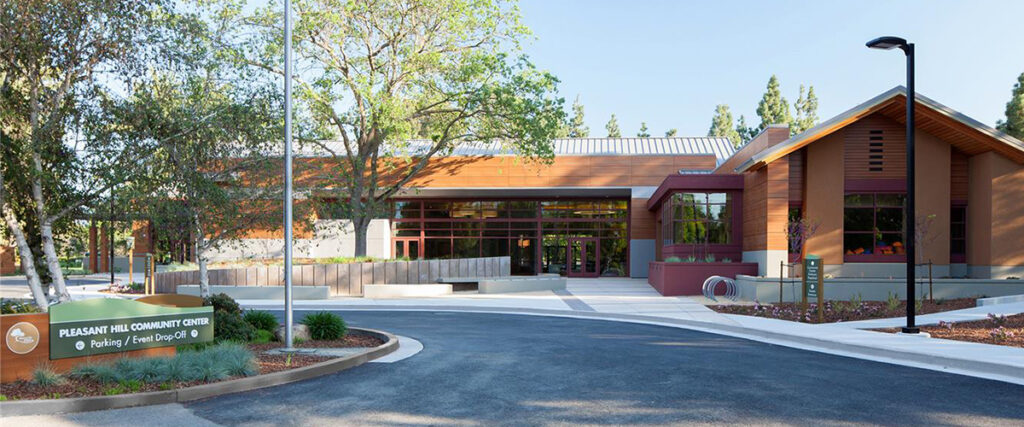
[745,133]
[613,128]
[577,129]
[1014,123]
[671,132]
[806,111]
[644,133]
[773,108]
[721,125]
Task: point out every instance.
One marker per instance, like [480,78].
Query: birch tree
[58,61]
[372,75]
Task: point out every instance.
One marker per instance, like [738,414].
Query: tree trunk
[53,262]
[204,274]
[360,226]
[27,263]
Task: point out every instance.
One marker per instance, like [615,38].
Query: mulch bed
[980,331]
[841,311]
[268,363]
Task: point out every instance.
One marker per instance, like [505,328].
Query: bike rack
[712,282]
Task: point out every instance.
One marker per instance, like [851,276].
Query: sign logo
[22,338]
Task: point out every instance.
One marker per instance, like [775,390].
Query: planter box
[687,278]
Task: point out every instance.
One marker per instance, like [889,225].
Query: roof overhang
[693,183]
[961,131]
[498,192]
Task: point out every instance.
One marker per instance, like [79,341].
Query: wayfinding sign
[813,282]
[109,325]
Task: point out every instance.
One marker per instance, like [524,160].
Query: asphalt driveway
[490,369]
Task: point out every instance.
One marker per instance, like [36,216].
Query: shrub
[690,258]
[262,320]
[709,258]
[673,259]
[325,326]
[45,376]
[222,302]
[16,307]
[263,336]
[229,326]
[214,363]
[997,320]
[892,302]
[1001,334]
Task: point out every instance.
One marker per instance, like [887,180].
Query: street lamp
[288,316]
[887,43]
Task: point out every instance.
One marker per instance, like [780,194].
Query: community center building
[614,206]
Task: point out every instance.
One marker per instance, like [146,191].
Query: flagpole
[288,315]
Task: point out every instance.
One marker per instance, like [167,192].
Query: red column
[104,253]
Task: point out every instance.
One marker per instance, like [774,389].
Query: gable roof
[964,133]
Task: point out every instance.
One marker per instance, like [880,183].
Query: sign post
[813,282]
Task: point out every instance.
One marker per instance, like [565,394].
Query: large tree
[612,127]
[746,133]
[577,127]
[372,75]
[644,132]
[773,107]
[1014,123]
[59,62]
[721,125]
[212,169]
[806,111]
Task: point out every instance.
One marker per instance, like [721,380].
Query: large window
[873,227]
[532,232]
[697,218]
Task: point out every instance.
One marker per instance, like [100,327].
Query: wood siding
[874,148]
[958,176]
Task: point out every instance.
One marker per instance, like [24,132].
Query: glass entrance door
[409,248]
[583,257]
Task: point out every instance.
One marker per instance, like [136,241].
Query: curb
[969,367]
[188,394]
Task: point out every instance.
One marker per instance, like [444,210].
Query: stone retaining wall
[343,279]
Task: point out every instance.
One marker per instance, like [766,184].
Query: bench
[260,292]
[406,291]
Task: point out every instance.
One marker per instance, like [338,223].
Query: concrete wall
[767,290]
[344,279]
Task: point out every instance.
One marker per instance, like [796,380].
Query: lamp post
[887,43]
[288,316]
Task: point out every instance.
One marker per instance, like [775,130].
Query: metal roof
[721,148]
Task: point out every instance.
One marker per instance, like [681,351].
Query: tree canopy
[773,107]
[613,127]
[722,125]
[1014,122]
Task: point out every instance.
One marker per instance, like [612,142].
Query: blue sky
[670,62]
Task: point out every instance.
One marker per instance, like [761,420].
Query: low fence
[343,279]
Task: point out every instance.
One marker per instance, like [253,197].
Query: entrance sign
[813,282]
[109,325]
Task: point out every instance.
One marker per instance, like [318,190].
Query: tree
[806,111]
[746,133]
[211,171]
[671,132]
[613,127]
[1014,123]
[721,125]
[60,62]
[378,73]
[643,133]
[773,107]
[577,128]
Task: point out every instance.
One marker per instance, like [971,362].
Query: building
[610,206]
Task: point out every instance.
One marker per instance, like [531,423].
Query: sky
[669,63]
